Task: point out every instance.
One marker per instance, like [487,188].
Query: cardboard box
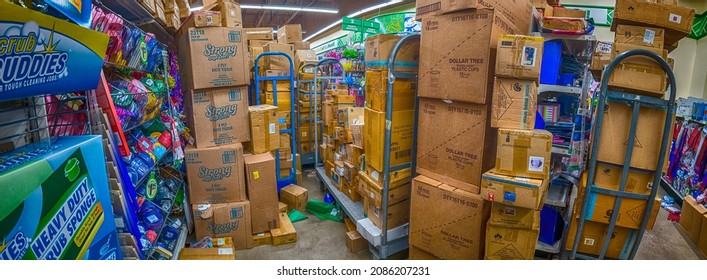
[263,238]
[592,239]
[262,191]
[444,133]
[519,56]
[568,13]
[349,224]
[398,214]
[357,135]
[459,67]
[447,222]
[149,5]
[400,138]
[640,36]
[523,153]
[651,75]
[173,22]
[258,43]
[378,48]
[415,253]
[215,174]
[295,197]
[630,214]
[286,233]
[504,243]
[279,62]
[184,8]
[603,54]
[213,57]
[159,14]
[304,56]
[282,207]
[608,177]
[231,15]
[260,33]
[574,25]
[289,34]
[515,191]
[301,45]
[200,19]
[702,240]
[264,129]
[404,92]
[509,216]
[224,220]
[355,242]
[615,130]
[518,12]
[217,116]
[691,217]
[676,20]
[514,103]
[398,190]
[216,253]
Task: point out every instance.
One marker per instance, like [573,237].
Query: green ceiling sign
[359,25]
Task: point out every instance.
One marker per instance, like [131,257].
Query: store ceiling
[311,22]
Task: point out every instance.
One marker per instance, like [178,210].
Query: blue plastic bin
[552,58]
[551,225]
[566,79]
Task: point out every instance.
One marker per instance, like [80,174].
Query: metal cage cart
[636,102]
[292,177]
[326,68]
[306,89]
[383,242]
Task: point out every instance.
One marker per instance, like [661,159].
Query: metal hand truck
[307,157]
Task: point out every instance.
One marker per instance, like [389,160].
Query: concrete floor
[325,240]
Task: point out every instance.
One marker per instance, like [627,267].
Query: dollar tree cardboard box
[217,116]
[56,202]
[517,12]
[213,57]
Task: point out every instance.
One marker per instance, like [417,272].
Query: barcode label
[229,157]
[402,154]
[649,36]
[220,241]
[225,251]
[589,241]
[272,128]
[209,20]
[235,95]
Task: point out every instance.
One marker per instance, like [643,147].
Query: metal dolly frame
[307,158]
[637,101]
[317,82]
[292,178]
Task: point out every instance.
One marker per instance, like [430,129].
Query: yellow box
[400,140]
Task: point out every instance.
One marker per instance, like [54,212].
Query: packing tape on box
[519,55]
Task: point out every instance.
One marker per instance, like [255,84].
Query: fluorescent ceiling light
[354,14]
[193,9]
[290,8]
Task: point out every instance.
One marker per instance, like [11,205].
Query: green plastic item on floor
[323,210]
[296,216]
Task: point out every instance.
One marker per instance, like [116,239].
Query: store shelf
[307,158]
[562,150]
[353,210]
[671,191]
[180,242]
[580,47]
[556,88]
[557,195]
[552,249]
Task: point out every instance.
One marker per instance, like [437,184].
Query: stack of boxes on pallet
[459,113]
[655,26]
[370,183]
[233,193]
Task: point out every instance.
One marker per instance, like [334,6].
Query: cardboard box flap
[518,181]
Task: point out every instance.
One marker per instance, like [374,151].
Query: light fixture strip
[290,8]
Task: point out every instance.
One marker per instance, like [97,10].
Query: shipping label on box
[459,67]
[615,130]
[447,222]
[504,243]
[215,174]
[400,140]
[514,103]
[404,91]
[379,47]
[217,116]
[213,57]
[515,191]
[444,152]
[262,192]
[264,129]
[56,203]
[523,153]
[519,56]
[224,220]
[592,239]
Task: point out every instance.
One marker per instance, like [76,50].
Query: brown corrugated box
[447,222]
[295,197]
[444,152]
[217,116]
[260,33]
[379,47]
[215,174]
[518,12]
[504,243]
[286,233]
[608,176]
[419,254]
[639,74]
[398,214]
[224,220]
[676,20]
[567,12]
[262,191]
[523,153]
[355,242]
[263,238]
[301,45]
[230,13]
[514,103]
[213,57]
[304,56]
[264,129]
[400,140]
[509,216]
[603,54]
[404,91]
[702,240]
[516,191]
[223,250]
[519,56]
[458,55]
[592,239]
[398,189]
[691,217]
[289,34]
[279,62]
[640,36]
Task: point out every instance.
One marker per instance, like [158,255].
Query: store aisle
[316,239]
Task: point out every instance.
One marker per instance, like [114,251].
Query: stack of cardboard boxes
[456,142]
[693,220]
[233,194]
[655,26]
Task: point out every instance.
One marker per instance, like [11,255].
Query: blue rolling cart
[307,157]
